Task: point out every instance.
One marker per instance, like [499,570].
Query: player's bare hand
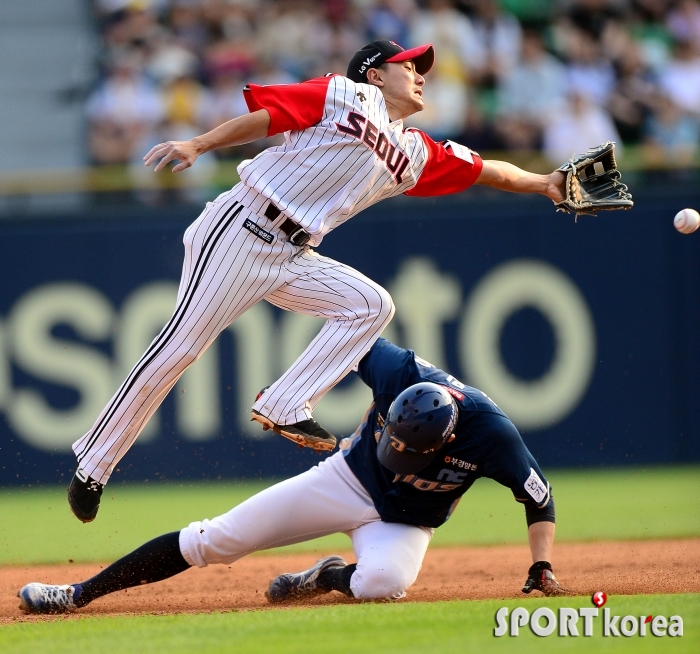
[184,151]
[556,188]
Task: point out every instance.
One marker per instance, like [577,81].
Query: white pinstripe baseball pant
[227,269]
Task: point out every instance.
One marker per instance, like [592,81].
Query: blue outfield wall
[585,333]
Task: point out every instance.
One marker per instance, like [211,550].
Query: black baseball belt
[295,233]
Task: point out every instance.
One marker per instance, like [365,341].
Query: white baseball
[687,221]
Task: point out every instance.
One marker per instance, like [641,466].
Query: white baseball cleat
[44,598]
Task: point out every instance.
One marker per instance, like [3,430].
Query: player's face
[402,88]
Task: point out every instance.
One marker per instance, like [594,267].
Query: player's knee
[189,351]
[212,541]
[389,581]
[385,305]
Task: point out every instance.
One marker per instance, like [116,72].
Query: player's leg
[227,269]
[154,561]
[357,310]
[324,500]
[389,557]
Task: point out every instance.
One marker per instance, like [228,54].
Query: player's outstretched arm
[507,177]
[238,131]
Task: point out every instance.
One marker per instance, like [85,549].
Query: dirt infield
[619,568]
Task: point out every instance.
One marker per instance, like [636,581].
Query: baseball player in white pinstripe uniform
[345,149]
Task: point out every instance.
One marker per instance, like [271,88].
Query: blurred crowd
[551,75]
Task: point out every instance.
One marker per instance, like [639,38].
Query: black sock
[158,559]
[337,578]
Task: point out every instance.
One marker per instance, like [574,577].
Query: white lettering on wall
[266,342]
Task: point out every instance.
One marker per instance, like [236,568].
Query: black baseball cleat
[307,433]
[84,496]
[298,585]
[540,577]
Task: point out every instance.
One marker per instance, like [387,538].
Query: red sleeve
[291,106]
[451,168]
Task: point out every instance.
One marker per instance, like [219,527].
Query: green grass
[367,628]
[628,503]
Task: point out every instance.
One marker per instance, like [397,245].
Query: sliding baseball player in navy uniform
[423,442]
[345,149]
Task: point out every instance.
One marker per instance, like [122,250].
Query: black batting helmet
[419,422]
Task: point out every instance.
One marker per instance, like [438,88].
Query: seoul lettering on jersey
[343,153]
[396,161]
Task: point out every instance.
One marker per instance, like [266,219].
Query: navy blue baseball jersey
[487,444]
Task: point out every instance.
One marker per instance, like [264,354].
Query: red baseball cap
[377,53]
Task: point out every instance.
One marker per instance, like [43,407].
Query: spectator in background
[497,40]
[184,100]
[684,22]
[579,126]
[225,98]
[633,98]
[447,95]
[169,59]
[672,135]
[289,32]
[107,7]
[388,20]
[593,16]
[589,74]
[680,78]
[450,32]
[530,95]
[122,112]
[268,72]
[236,20]
[479,133]
[187,25]
[651,10]
[228,69]
[133,26]
[492,87]
[645,20]
[340,34]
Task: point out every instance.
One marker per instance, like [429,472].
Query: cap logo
[397,443]
[368,61]
[396,44]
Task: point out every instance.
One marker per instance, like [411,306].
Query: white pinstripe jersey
[342,154]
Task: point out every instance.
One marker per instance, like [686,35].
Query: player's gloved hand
[540,577]
[592,183]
